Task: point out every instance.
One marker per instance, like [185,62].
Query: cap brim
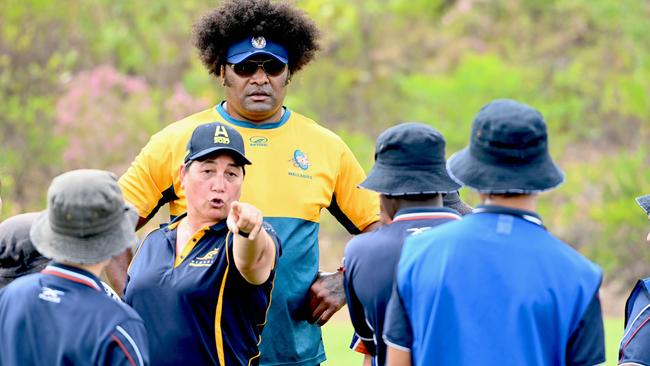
[644,203]
[89,250]
[239,158]
[542,175]
[237,58]
[392,182]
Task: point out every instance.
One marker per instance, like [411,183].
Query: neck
[95,268]
[253,118]
[527,202]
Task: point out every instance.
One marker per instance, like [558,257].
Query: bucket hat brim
[533,177]
[392,182]
[86,250]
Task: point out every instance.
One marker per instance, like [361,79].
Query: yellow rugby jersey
[299,168]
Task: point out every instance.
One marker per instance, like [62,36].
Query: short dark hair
[235,20]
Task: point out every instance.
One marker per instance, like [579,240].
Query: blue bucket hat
[251,46]
[409,160]
[508,152]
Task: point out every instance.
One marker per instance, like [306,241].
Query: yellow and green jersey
[299,168]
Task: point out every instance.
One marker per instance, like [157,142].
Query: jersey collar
[74,274]
[424,213]
[264,126]
[529,216]
[174,224]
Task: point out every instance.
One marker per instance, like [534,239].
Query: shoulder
[635,345]
[313,129]
[174,132]
[365,243]
[21,286]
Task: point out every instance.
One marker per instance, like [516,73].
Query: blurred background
[84,83]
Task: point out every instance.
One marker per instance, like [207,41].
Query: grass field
[336,336]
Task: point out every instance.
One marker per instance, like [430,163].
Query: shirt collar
[263,126]
[74,274]
[424,213]
[176,220]
[529,216]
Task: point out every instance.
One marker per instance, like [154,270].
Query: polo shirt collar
[529,216]
[74,274]
[424,213]
[219,226]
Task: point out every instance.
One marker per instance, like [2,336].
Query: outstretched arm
[253,248]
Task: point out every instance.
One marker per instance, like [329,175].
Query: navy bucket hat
[409,160]
[508,152]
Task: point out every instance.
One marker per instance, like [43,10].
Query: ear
[181,175]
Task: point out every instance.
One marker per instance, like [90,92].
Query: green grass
[337,333]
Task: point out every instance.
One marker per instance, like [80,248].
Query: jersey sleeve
[635,345]
[362,340]
[127,346]
[148,183]
[586,345]
[397,330]
[353,207]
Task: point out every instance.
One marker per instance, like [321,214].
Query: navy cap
[252,46]
[409,160]
[507,153]
[215,136]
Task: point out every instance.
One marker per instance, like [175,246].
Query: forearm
[254,258]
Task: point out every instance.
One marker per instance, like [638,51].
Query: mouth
[258,95]
[217,203]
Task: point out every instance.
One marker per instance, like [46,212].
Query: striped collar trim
[74,275]
[425,216]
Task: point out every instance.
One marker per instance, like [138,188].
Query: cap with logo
[507,153]
[410,160]
[258,45]
[212,137]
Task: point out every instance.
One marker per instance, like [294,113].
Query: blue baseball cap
[251,46]
[215,136]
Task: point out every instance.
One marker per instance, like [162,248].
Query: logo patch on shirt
[50,295]
[206,260]
[300,160]
[418,230]
[258,141]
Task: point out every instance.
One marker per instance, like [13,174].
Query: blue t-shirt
[495,288]
[635,345]
[63,316]
[197,307]
[370,261]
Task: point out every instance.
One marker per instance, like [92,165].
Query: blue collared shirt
[63,316]
[495,288]
[370,263]
[197,307]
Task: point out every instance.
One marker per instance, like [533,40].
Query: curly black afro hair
[235,20]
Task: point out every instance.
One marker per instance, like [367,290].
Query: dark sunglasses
[271,67]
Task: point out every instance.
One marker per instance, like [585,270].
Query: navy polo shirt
[495,288]
[370,261]
[197,308]
[63,316]
[635,345]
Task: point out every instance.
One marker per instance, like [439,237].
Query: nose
[260,76]
[218,183]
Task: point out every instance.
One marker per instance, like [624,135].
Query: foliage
[585,64]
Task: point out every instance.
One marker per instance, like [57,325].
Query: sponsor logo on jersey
[50,295]
[206,260]
[258,141]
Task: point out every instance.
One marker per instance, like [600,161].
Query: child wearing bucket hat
[634,348]
[409,175]
[63,315]
[496,288]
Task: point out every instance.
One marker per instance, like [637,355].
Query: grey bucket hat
[86,221]
[409,160]
[507,153]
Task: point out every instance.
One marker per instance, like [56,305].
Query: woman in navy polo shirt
[203,283]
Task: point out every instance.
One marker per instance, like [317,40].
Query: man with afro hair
[254,47]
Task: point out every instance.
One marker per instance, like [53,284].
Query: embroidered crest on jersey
[206,260]
[221,135]
[258,42]
[300,160]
